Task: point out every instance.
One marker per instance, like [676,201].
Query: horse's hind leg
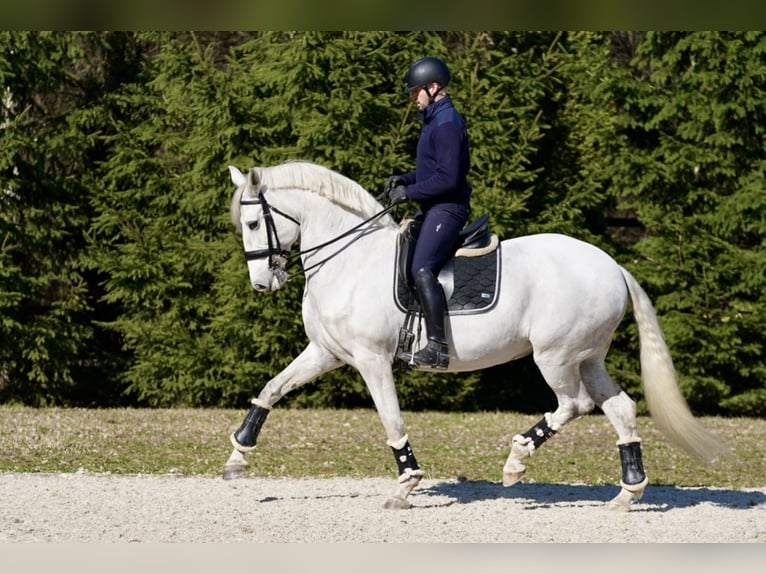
[621,412]
[573,402]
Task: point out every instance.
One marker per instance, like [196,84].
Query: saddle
[469,278]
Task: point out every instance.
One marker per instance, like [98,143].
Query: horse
[558,298]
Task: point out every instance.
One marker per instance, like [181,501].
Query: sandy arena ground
[82,507]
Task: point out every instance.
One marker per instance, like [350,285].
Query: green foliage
[164,241]
[688,159]
[49,352]
[122,280]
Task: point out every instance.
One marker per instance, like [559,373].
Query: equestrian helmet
[425,71]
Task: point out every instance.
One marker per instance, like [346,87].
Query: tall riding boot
[431,295]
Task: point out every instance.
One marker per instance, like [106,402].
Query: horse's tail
[667,405]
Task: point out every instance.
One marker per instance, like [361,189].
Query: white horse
[559,299]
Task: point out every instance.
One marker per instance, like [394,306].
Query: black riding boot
[431,295]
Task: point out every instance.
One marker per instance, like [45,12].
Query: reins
[275,247]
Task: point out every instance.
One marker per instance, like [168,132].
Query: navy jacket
[443,159]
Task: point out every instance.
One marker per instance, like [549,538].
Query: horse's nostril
[260,288]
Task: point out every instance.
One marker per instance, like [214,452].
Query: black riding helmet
[425,71]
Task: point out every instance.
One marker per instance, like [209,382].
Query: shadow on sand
[655,499]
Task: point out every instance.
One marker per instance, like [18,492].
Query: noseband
[274,251]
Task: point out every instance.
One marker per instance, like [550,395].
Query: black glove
[391,183]
[397,194]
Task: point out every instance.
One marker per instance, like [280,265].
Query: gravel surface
[84,507]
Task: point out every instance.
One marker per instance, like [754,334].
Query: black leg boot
[436,353]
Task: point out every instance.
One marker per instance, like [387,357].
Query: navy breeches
[437,237]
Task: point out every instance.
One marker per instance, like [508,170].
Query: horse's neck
[322,222]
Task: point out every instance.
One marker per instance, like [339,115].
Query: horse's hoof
[511,478]
[232,472]
[629,494]
[621,502]
[397,503]
[617,506]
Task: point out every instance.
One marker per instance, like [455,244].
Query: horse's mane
[339,189]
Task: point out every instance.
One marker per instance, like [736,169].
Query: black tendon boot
[632,466]
[539,433]
[406,462]
[436,353]
[244,438]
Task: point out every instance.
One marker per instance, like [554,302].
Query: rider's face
[420,95]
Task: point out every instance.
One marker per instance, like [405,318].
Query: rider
[440,187]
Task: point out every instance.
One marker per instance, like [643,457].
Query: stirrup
[434,355]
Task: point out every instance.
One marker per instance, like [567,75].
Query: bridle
[280,258]
[274,251]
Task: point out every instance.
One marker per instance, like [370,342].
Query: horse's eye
[253,225]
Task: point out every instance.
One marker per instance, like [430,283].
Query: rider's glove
[397,194]
[391,183]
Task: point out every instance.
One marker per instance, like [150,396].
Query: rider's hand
[391,183]
[397,194]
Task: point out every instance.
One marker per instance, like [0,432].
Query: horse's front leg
[376,372]
[312,362]
[409,474]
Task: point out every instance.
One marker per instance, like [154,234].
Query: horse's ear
[237,178]
[255,180]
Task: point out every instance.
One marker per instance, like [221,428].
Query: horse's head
[267,232]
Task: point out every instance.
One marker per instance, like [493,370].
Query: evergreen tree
[688,159]
[50,352]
